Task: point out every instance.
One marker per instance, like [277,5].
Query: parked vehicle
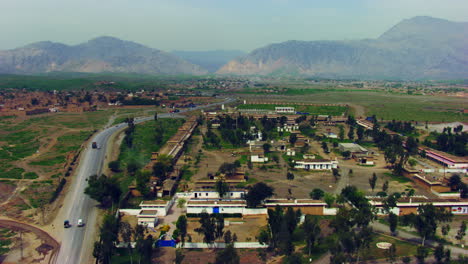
[80,222]
[66,224]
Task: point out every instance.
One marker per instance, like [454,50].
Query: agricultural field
[36,152]
[333,110]
[139,153]
[386,106]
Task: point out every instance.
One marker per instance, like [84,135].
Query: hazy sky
[210,24]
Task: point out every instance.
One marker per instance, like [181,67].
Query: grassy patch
[403,248]
[333,110]
[401,179]
[30,175]
[15,173]
[144,141]
[49,161]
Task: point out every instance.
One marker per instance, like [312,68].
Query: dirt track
[45,237]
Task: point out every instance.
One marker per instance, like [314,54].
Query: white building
[161,206]
[148,218]
[352,147]
[258,156]
[285,110]
[290,152]
[316,164]
[211,194]
[215,206]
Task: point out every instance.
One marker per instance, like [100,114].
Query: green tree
[142,180]
[126,232]
[461,232]
[266,147]
[181,225]
[360,133]
[114,166]
[312,231]
[179,256]
[421,254]
[295,258]
[439,254]
[351,133]
[257,193]
[341,134]
[406,259]
[393,222]
[227,237]
[292,139]
[222,187]
[103,189]
[346,154]
[317,194]
[385,186]
[391,253]
[373,181]
[428,218]
[227,256]
[163,167]
[207,228]
[329,199]
[219,225]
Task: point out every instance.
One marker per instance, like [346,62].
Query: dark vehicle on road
[94,145]
[66,224]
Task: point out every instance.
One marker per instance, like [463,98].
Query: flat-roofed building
[160,205]
[445,159]
[216,206]
[285,110]
[353,148]
[307,206]
[316,164]
[148,218]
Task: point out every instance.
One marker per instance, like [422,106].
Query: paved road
[77,242]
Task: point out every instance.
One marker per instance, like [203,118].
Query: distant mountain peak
[101,54]
[416,48]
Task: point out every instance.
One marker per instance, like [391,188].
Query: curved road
[77,242]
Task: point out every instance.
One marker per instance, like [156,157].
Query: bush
[114,166]
[58,190]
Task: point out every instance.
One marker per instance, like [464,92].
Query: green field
[143,145]
[385,105]
[333,110]
[403,248]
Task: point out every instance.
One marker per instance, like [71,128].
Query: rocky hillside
[417,48]
[103,54]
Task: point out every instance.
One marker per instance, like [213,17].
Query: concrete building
[148,218]
[353,148]
[285,110]
[258,156]
[215,206]
[161,206]
[316,164]
[410,205]
[307,206]
[445,159]
[212,194]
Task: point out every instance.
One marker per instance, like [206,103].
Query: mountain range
[102,54]
[416,48]
[211,60]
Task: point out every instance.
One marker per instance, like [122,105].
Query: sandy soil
[38,246]
[246,228]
